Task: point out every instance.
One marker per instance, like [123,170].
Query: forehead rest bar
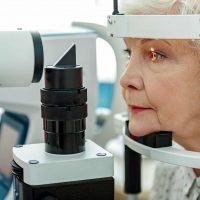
[154,26]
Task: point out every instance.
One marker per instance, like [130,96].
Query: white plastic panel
[52,168]
[154,26]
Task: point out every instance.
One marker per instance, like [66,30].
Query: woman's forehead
[143,41]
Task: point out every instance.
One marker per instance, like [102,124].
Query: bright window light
[52,14]
[55,15]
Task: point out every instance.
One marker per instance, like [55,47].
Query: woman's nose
[132,76]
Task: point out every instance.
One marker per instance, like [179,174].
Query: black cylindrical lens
[64,109]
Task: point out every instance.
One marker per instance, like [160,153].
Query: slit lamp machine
[67,165]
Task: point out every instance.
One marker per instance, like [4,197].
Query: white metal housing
[26,100]
[94,163]
[17,58]
[154,26]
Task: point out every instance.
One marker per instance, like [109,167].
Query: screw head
[18,145]
[33,162]
[101,154]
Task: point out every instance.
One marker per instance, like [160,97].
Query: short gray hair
[162,7]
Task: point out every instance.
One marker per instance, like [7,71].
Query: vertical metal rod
[132,184]
[115,7]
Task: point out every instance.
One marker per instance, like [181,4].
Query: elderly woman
[161,86]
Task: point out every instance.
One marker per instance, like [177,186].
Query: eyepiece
[64,108]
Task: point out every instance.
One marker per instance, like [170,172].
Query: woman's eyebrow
[143,41]
[140,42]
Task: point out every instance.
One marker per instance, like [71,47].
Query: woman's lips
[138,109]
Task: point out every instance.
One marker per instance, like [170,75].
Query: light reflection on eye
[156,56]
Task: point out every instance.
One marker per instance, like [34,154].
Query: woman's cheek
[159,92]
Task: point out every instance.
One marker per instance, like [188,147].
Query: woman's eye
[156,56]
[128,53]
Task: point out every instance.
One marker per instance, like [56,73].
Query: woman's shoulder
[172,182]
[163,169]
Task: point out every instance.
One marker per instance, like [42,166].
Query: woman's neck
[190,144]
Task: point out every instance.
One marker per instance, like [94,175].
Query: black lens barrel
[64,110]
[64,97]
[64,77]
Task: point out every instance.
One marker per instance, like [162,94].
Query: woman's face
[161,86]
